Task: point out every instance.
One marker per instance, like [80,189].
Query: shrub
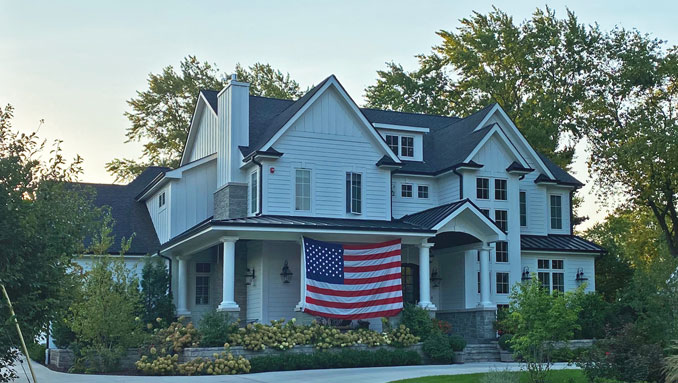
[418,321]
[437,347]
[457,342]
[37,352]
[593,317]
[61,333]
[332,359]
[216,328]
[155,294]
[671,364]
[505,342]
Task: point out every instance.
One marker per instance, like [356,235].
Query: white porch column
[425,276]
[228,287]
[302,277]
[485,301]
[182,288]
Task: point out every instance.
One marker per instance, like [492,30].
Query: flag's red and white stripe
[371,288]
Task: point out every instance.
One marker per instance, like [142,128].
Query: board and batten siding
[205,142]
[160,216]
[408,205]
[571,263]
[330,140]
[193,197]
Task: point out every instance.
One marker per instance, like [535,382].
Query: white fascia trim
[405,175]
[483,218]
[176,174]
[497,130]
[333,82]
[191,131]
[404,128]
[560,253]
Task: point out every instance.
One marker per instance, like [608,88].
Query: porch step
[484,352]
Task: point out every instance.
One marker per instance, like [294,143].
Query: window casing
[523,209]
[406,190]
[254,192]
[551,274]
[161,200]
[501,218]
[392,142]
[407,146]
[302,188]
[354,193]
[556,212]
[502,283]
[482,188]
[422,191]
[500,193]
[410,282]
[501,251]
[202,283]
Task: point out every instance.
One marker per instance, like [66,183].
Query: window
[422,191]
[161,199]
[502,283]
[523,209]
[202,283]
[483,188]
[392,142]
[254,192]
[354,193]
[406,190]
[485,212]
[556,212]
[558,282]
[302,183]
[551,275]
[410,282]
[407,146]
[500,190]
[501,218]
[501,251]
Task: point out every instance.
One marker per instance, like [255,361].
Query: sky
[76,63]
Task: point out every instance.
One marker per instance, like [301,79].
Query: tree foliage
[155,294]
[160,116]
[43,223]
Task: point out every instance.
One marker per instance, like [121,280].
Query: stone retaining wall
[475,325]
[63,359]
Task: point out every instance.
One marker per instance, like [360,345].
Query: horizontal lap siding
[403,206]
[448,188]
[571,263]
[537,204]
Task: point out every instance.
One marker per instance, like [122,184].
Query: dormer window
[392,142]
[402,146]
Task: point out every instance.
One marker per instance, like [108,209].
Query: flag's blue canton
[324,261]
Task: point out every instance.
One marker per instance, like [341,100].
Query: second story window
[302,190]
[501,218]
[407,146]
[161,200]
[501,251]
[523,209]
[406,190]
[556,212]
[502,283]
[354,193]
[483,188]
[254,193]
[392,142]
[500,190]
[422,191]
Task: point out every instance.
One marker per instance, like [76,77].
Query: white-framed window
[406,190]
[254,192]
[482,188]
[502,283]
[501,251]
[523,209]
[556,204]
[202,283]
[422,191]
[392,142]
[407,146]
[501,218]
[551,274]
[500,193]
[302,190]
[161,200]
[354,193]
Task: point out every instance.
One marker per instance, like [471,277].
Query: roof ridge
[412,113]
[274,98]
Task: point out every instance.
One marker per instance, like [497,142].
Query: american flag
[352,281]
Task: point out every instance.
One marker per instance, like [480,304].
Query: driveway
[345,375]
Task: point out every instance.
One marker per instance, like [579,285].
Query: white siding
[205,141]
[192,197]
[452,271]
[571,263]
[254,290]
[330,140]
[403,205]
[537,205]
[448,188]
[282,297]
[161,216]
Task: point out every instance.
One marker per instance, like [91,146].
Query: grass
[573,376]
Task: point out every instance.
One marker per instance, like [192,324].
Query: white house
[476,207]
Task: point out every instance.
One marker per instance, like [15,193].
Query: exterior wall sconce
[526,274]
[580,275]
[249,276]
[435,278]
[286,274]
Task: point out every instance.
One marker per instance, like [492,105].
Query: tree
[155,294]
[161,115]
[44,221]
[631,125]
[534,70]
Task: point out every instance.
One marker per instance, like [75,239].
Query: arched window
[410,282]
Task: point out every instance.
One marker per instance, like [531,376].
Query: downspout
[261,184]
[461,183]
[571,215]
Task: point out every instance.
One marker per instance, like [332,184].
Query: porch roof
[558,243]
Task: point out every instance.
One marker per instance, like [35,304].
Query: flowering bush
[222,364]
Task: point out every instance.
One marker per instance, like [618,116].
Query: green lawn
[567,376]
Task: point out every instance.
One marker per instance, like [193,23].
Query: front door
[410,283]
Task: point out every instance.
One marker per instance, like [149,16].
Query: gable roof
[131,217]
[211,97]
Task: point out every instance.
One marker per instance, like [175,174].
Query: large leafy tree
[534,70]
[160,115]
[43,223]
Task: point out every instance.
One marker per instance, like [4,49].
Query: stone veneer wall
[475,325]
[231,201]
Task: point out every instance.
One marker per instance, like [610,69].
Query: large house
[476,207]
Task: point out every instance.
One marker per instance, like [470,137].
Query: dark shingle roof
[557,242]
[130,216]
[561,175]
[211,97]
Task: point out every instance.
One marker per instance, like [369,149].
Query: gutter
[461,183]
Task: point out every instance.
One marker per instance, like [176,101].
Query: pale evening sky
[75,63]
